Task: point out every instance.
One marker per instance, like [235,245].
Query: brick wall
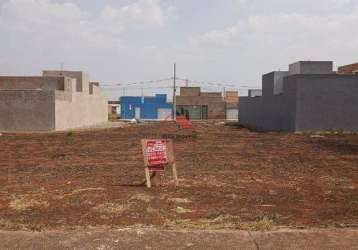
[348,69]
[189,91]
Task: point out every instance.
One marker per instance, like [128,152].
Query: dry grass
[8,225]
[142,197]
[179,200]
[151,210]
[181,210]
[224,222]
[264,224]
[25,202]
[14,226]
[111,208]
[83,190]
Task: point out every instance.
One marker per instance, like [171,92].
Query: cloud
[223,37]
[41,34]
[232,41]
[68,25]
[251,7]
[311,34]
[269,38]
[144,11]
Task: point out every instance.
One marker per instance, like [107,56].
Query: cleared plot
[229,178]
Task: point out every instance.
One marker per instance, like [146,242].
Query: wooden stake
[175,176]
[147,176]
[155,179]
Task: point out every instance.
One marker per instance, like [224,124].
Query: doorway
[137,113]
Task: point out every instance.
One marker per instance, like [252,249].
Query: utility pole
[186,83]
[175,93]
[61,67]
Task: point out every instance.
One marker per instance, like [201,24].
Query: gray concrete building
[255,92]
[58,100]
[308,97]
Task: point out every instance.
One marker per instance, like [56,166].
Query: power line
[185,80]
[174,92]
[135,83]
[222,83]
[166,87]
[120,88]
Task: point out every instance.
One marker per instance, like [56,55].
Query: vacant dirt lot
[229,178]
[161,239]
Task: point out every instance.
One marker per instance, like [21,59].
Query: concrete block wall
[272,83]
[268,83]
[81,106]
[310,102]
[311,67]
[269,113]
[81,77]
[91,85]
[50,103]
[95,90]
[278,81]
[254,93]
[31,82]
[70,84]
[27,110]
[326,102]
[82,110]
[250,111]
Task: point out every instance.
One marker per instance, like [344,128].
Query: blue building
[145,108]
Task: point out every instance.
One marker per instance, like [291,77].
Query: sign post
[158,154]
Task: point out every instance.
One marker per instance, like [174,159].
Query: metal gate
[232,114]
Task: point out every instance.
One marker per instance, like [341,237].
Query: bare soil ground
[161,239]
[230,178]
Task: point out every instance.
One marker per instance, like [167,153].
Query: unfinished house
[308,97]
[58,100]
[197,105]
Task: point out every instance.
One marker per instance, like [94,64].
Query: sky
[232,42]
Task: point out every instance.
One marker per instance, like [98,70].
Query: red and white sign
[156,152]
